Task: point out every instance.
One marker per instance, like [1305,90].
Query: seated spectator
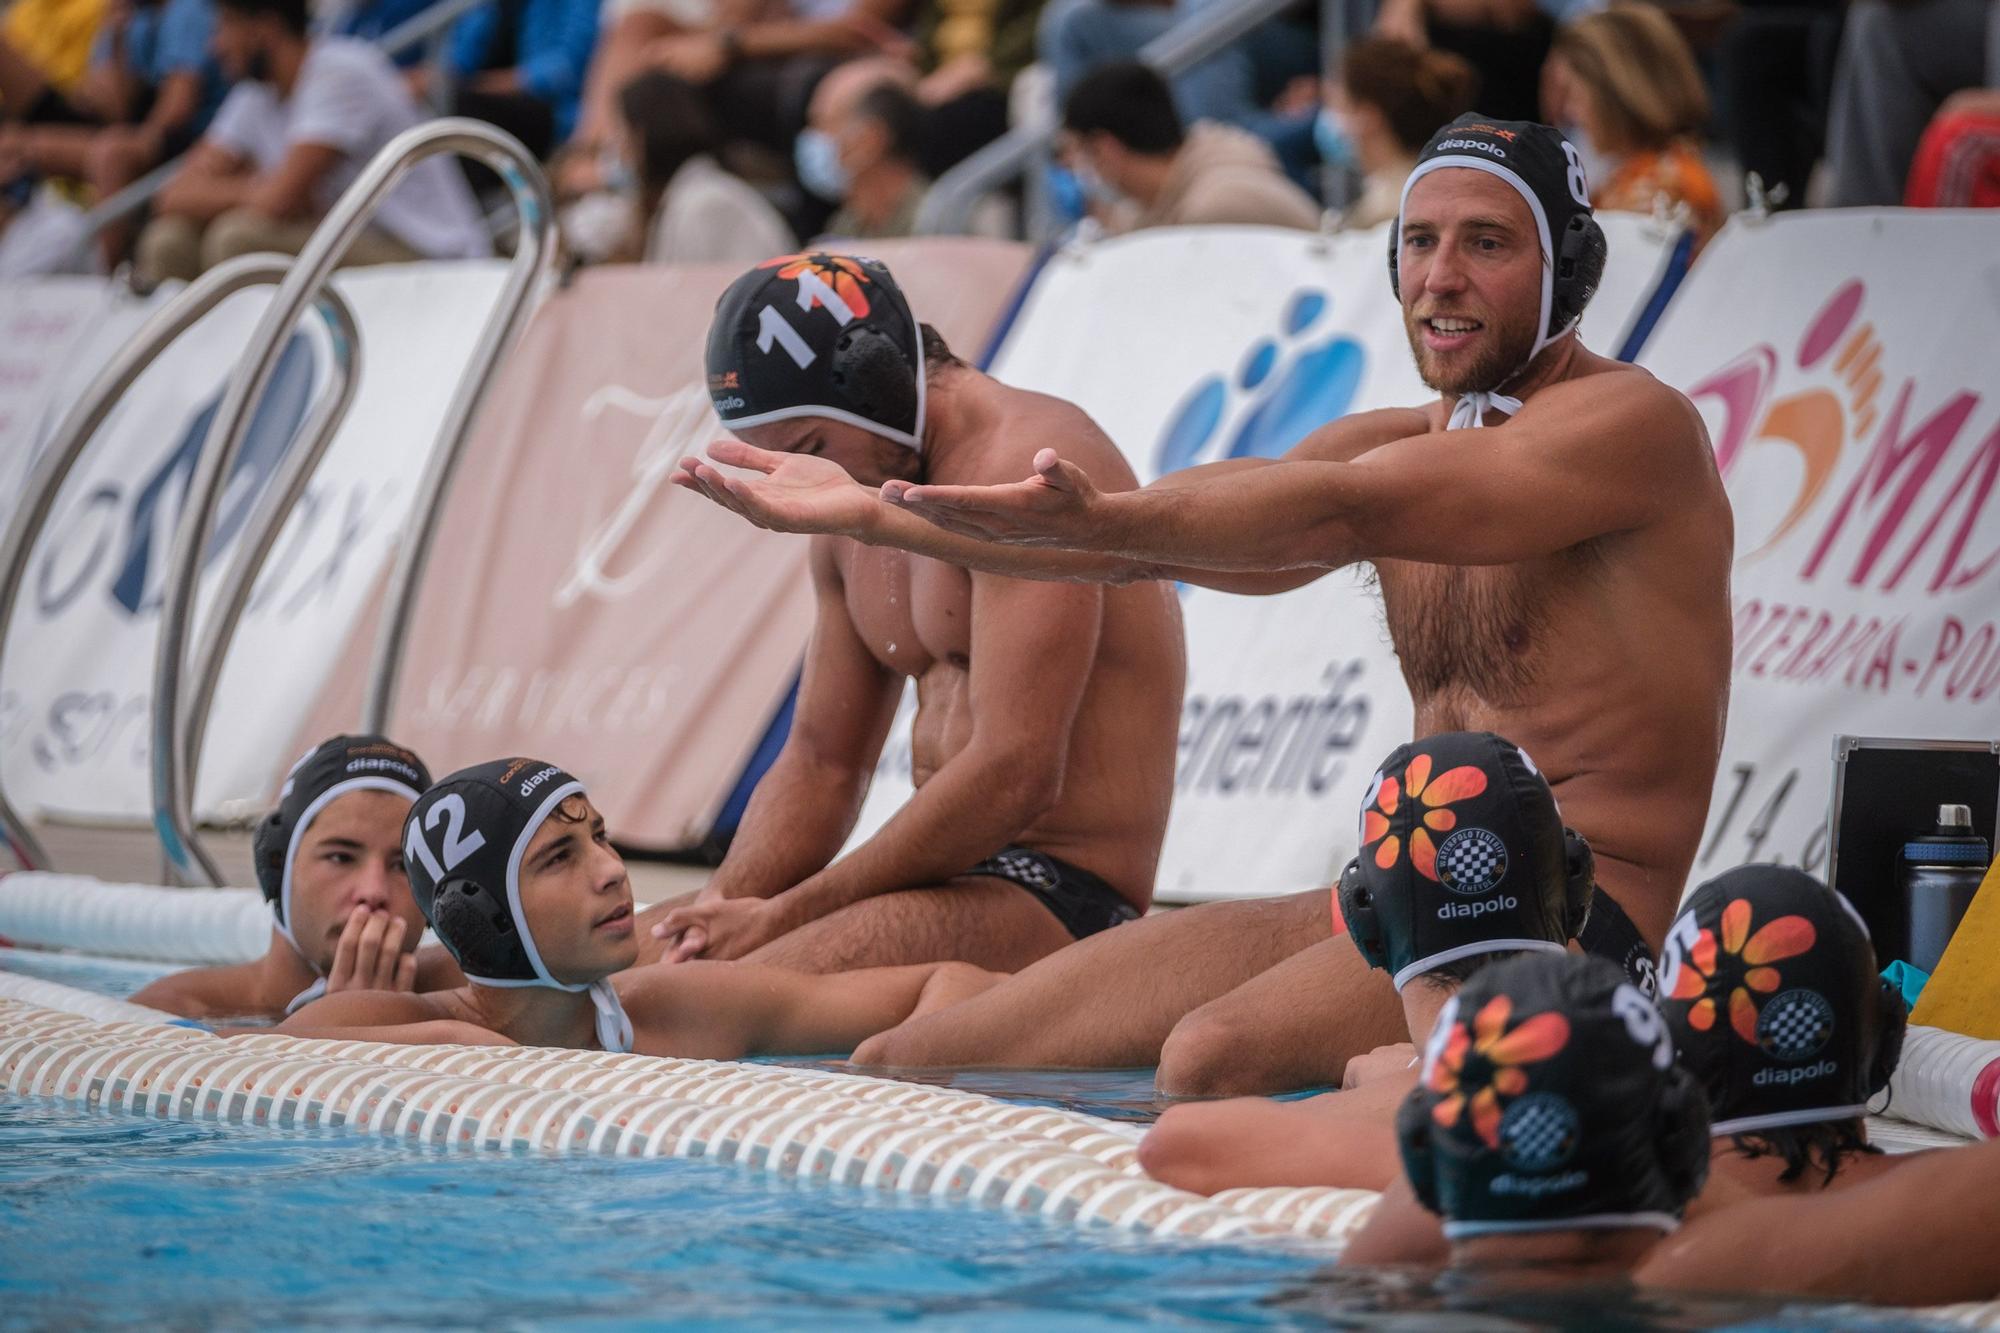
[1623,86]
[1387,101]
[860,151]
[372,20]
[1505,40]
[307,116]
[672,202]
[45,47]
[1898,64]
[757,61]
[1137,165]
[520,66]
[329,860]
[150,89]
[1958,159]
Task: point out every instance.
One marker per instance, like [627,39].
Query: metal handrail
[947,207]
[173,767]
[266,521]
[79,426]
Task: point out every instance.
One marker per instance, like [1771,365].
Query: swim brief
[1080,900]
[1609,933]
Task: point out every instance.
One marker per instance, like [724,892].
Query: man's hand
[1380,1063]
[370,955]
[796,493]
[1058,506]
[729,928]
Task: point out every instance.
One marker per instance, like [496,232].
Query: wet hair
[901,118]
[1450,976]
[293,14]
[937,353]
[1822,1146]
[1417,91]
[670,123]
[1640,72]
[1131,103]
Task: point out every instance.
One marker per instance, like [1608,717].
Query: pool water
[110,1220]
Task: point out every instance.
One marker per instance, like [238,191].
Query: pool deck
[123,855]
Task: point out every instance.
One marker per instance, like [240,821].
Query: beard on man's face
[1500,353]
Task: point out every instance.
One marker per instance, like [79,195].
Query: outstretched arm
[1343,1139]
[1585,459]
[798,493]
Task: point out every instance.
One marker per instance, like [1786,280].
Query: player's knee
[1203,1056]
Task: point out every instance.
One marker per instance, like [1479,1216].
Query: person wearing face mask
[1623,84]
[329,859]
[1138,166]
[305,116]
[665,198]
[860,151]
[1387,101]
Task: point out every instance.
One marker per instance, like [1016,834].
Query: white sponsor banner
[80,650]
[1844,362]
[1193,345]
[44,325]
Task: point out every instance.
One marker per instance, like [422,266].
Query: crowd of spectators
[685,130]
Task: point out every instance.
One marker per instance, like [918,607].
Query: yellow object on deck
[1963,994]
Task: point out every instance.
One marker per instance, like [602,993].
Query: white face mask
[816,155]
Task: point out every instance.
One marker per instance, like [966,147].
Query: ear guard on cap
[1357,912]
[1413,1139]
[474,923]
[870,370]
[1580,881]
[1680,1133]
[267,856]
[1892,1018]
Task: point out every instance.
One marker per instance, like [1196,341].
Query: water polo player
[1538,531]
[512,867]
[1047,714]
[329,860]
[1430,901]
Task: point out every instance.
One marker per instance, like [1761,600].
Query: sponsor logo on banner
[1285,385]
[1856,430]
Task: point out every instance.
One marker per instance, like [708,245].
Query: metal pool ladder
[80,424]
[176,742]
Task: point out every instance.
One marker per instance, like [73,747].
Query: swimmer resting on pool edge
[329,860]
[510,863]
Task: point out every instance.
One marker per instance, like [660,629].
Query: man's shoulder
[1655,412]
[346,60]
[1028,422]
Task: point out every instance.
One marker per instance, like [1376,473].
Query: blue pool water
[111,1220]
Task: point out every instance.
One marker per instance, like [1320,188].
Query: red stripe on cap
[1986,1099]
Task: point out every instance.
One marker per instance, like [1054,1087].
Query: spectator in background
[673,202]
[1623,86]
[1773,77]
[45,47]
[1387,100]
[1124,141]
[1958,159]
[1898,64]
[520,65]
[1505,40]
[295,132]
[860,150]
[151,88]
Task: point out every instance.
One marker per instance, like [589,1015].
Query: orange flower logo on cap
[1740,965]
[1498,1053]
[1431,795]
[847,278]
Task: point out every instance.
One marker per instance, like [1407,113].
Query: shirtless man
[510,864]
[1047,713]
[1560,577]
[1553,1132]
[329,859]
[1773,1003]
